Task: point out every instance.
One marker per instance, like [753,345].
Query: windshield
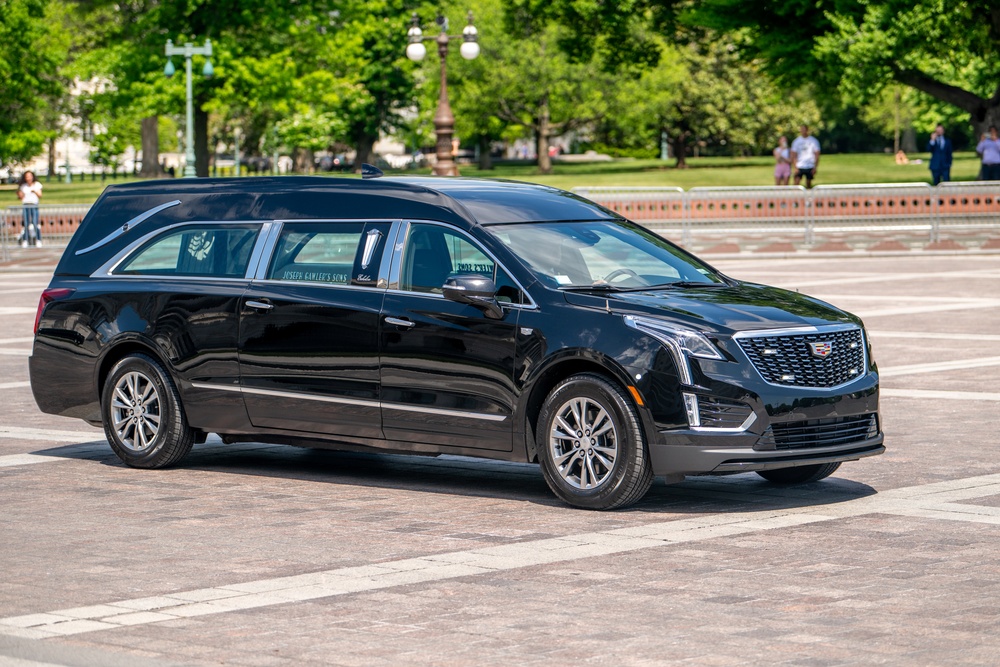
[601,254]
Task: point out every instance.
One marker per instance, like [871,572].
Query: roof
[483,201]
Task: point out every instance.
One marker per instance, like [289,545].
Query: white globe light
[469,50]
[416,51]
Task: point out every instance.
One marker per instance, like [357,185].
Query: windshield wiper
[604,287]
[683,284]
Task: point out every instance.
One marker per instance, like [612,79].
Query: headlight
[692,342]
[681,342]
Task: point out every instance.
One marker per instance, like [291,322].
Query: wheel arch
[555,372]
[119,351]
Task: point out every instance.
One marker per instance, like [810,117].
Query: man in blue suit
[940,150]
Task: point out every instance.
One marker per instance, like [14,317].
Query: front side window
[221,251]
[335,253]
[433,254]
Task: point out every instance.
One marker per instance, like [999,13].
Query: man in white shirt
[805,156]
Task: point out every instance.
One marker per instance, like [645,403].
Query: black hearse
[494,319]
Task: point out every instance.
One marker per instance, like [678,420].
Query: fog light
[872,428]
[691,406]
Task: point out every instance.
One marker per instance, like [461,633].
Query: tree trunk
[201,154]
[485,161]
[150,147]
[364,143]
[543,128]
[302,160]
[52,156]
[679,145]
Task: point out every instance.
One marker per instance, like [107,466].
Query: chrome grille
[787,359]
[830,432]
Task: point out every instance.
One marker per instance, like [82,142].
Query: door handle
[399,322]
[259,305]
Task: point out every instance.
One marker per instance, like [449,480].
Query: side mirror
[478,291]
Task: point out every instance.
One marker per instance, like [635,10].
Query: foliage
[33,46]
[703,92]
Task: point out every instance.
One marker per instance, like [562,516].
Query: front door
[447,369]
[309,331]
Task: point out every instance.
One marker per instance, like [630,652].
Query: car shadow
[471,477]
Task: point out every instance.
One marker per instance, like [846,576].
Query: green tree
[702,92]
[33,46]
[850,50]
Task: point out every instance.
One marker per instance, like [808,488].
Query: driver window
[433,254]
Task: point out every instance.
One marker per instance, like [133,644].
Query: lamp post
[236,151]
[189,50]
[444,119]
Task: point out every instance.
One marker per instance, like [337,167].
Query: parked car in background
[492,319]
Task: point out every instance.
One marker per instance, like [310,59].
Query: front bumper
[702,456]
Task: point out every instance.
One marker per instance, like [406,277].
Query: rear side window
[335,253]
[221,251]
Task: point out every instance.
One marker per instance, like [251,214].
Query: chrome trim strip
[266,251]
[793,331]
[442,411]
[134,222]
[258,249]
[350,401]
[739,429]
[385,266]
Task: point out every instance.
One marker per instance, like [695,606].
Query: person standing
[30,193]
[989,150]
[782,165]
[940,150]
[805,156]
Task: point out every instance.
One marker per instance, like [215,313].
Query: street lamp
[444,119]
[189,50]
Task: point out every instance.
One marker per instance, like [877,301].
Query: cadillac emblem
[821,350]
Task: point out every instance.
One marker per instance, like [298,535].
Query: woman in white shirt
[30,193]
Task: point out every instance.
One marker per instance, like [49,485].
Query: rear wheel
[799,474]
[591,446]
[143,418]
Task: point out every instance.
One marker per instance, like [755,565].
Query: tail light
[48,296]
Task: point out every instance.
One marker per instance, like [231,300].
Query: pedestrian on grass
[940,150]
[989,150]
[30,193]
[805,156]
[782,162]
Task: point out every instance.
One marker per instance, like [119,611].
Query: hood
[722,310]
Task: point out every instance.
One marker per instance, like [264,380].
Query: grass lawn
[853,168]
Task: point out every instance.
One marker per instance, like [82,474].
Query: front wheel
[591,446]
[800,474]
[143,418]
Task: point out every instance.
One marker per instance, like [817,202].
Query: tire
[799,474]
[610,471]
[142,414]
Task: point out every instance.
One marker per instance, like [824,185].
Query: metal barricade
[872,210]
[881,216]
[56,222]
[4,237]
[774,213]
[967,206]
[662,209]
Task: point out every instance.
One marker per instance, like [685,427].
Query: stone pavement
[269,555]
